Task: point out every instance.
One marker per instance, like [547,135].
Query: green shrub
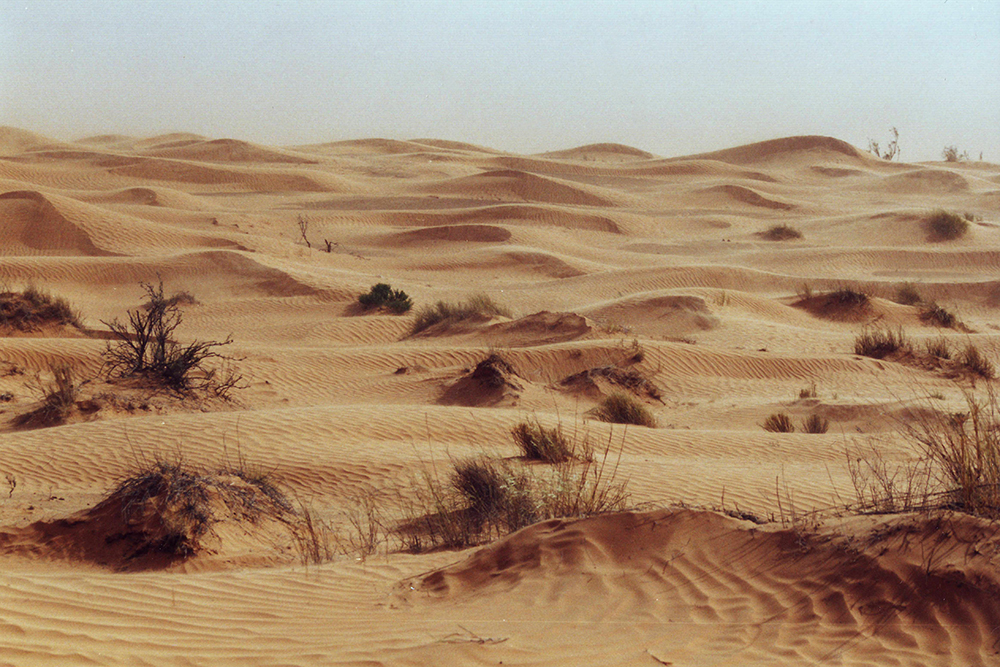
[945,226]
[478,306]
[623,409]
[779,422]
[383,296]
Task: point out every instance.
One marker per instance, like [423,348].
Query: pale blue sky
[672,78]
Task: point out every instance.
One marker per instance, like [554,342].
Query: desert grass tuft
[623,409]
[935,315]
[938,347]
[976,363]
[880,342]
[33,307]
[538,443]
[816,424]
[779,422]
[478,306]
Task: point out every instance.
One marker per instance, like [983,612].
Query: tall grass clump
[623,409]
[484,498]
[880,342]
[965,451]
[538,443]
[816,424]
[935,315]
[478,306]
[945,226]
[779,422]
[976,363]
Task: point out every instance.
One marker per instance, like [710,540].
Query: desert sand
[737,547]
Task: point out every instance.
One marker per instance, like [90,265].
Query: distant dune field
[713,290]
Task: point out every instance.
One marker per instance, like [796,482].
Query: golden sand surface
[606,256]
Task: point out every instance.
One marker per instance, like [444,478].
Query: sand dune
[617,271]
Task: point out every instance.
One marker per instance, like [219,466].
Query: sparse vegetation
[32,307]
[816,424]
[846,303]
[478,306]
[880,342]
[891,149]
[938,348]
[538,443]
[382,295]
[485,498]
[57,403]
[935,315]
[976,363]
[623,409]
[808,392]
[779,422]
[907,295]
[945,226]
[781,233]
[952,154]
[146,346]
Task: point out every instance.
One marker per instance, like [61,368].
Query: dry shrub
[880,342]
[779,422]
[623,409]
[808,392]
[816,424]
[478,306]
[781,233]
[146,346]
[945,226]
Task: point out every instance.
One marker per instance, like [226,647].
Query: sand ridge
[614,265]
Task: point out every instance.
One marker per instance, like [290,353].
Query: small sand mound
[606,380]
[164,516]
[542,328]
[923,181]
[605,151]
[511,184]
[32,225]
[454,234]
[812,148]
[493,381]
[672,315]
[744,195]
[542,215]
[875,594]
[229,150]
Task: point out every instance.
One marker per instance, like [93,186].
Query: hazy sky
[673,78]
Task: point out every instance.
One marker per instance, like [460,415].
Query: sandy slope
[591,248]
